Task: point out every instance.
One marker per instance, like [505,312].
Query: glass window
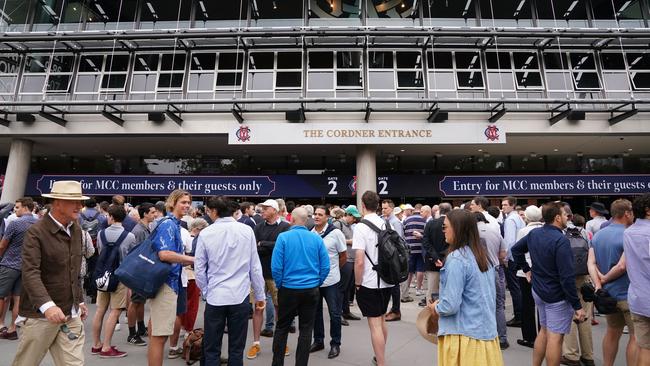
[348,59]
[468,60]
[110,14]
[321,60]
[334,12]
[380,59]
[261,61]
[203,61]
[9,67]
[450,13]
[639,64]
[231,13]
[615,75]
[165,14]
[584,71]
[230,68]
[13,15]
[57,68]
[572,13]
[614,13]
[387,12]
[612,61]
[506,13]
[110,69]
[146,62]
[277,12]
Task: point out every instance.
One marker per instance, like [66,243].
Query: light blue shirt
[299,260]
[467,298]
[608,249]
[226,263]
[636,239]
[511,227]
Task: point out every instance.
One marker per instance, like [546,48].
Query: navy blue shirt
[554,277]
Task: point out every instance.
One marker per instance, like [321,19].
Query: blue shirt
[226,263]
[637,261]
[412,224]
[511,226]
[299,260]
[15,234]
[608,248]
[467,297]
[554,277]
[167,236]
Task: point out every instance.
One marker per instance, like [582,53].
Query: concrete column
[366,171]
[20,157]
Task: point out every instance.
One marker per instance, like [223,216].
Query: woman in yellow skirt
[467,333]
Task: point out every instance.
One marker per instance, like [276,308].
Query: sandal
[4,330]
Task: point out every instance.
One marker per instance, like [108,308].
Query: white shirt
[493,223]
[335,244]
[593,225]
[365,238]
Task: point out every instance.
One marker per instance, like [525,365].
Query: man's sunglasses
[71,336]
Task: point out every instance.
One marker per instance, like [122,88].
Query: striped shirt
[15,234]
[412,224]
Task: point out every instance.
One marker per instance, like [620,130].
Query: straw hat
[427,325]
[66,190]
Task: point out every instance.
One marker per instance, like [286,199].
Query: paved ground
[405,347]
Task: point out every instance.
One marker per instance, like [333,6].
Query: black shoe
[292,329]
[350,316]
[344,322]
[526,343]
[267,333]
[514,322]
[144,332]
[423,303]
[334,352]
[136,341]
[504,345]
[587,362]
[315,347]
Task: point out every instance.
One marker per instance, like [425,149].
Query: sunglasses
[71,336]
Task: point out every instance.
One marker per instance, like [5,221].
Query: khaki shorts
[621,318]
[269,287]
[642,330]
[116,299]
[163,312]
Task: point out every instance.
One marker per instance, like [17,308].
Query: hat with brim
[427,325]
[397,211]
[271,203]
[408,207]
[353,211]
[599,207]
[69,190]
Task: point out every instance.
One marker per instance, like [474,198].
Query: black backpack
[107,263]
[91,225]
[392,255]
[580,249]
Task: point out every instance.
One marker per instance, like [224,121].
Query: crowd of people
[279,261]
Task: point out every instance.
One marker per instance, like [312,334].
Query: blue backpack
[107,263]
[142,270]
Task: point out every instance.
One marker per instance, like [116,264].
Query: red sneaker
[95,351]
[112,353]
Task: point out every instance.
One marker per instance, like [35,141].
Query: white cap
[397,211]
[271,203]
[408,207]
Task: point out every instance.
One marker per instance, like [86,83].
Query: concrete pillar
[20,157]
[366,171]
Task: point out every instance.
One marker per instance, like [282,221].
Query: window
[639,64]
[229,13]
[585,76]
[615,75]
[450,13]
[558,77]
[335,74]
[13,15]
[500,74]
[393,71]
[158,73]
[47,73]
[110,14]
[165,14]
[387,12]
[571,13]
[277,12]
[333,12]
[527,72]
[506,13]
[102,73]
[615,13]
[9,67]
[275,74]
[468,70]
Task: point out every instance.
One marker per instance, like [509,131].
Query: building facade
[363,88]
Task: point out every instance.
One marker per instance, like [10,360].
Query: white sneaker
[117,327]
[419,293]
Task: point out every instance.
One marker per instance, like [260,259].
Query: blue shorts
[556,317]
[416,263]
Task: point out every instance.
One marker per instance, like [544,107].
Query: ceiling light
[533,155]
[202,6]
[580,154]
[101,10]
[480,150]
[275,6]
[556,150]
[630,149]
[438,155]
[626,154]
[402,150]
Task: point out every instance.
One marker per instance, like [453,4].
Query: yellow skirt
[458,350]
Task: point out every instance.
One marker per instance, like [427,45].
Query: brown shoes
[393,317]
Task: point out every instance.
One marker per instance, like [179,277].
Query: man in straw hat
[51,307]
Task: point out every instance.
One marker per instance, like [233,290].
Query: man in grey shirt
[142,230]
[387,214]
[496,253]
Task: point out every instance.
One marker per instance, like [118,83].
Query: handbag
[605,303]
[142,270]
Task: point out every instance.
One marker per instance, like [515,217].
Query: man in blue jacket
[299,265]
[553,282]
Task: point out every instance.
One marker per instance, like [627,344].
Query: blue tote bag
[142,270]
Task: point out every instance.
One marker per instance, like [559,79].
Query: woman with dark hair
[467,332]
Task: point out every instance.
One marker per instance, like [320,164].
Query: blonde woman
[466,308]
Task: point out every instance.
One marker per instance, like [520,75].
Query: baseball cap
[353,211]
[408,207]
[271,203]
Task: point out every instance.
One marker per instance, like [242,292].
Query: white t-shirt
[335,244]
[365,238]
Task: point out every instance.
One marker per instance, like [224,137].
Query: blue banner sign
[544,185]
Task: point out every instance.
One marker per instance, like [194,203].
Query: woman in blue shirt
[467,333]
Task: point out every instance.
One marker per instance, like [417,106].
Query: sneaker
[407,299]
[419,292]
[286,351]
[566,361]
[253,352]
[174,353]
[11,336]
[112,353]
[422,302]
[144,333]
[95,351]
[266,333]
[136,341]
